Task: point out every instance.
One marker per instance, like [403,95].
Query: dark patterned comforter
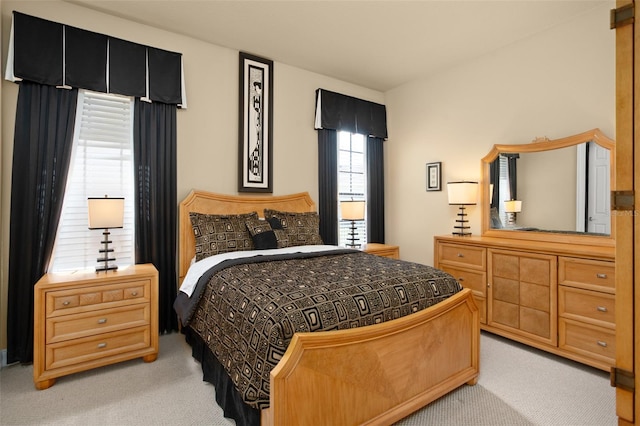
[248,312]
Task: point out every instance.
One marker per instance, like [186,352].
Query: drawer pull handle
[65,303]
[102,321]
[601,343]
[601,275]
[460,255]
[461,279]
[102,345]
[134,293]
[602,309]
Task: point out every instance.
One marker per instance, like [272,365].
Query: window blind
[505,192]
[101,164]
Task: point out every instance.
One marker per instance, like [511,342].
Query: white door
[599,198]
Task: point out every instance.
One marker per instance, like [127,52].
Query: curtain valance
[55,54]
[346,113]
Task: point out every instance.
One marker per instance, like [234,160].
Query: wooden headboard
[212,203]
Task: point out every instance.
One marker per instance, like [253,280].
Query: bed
[374,374]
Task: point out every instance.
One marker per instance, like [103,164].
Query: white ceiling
[376,44]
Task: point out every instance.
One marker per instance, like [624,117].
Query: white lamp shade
[513,206]
[462,193]
[106,213]
[352,210]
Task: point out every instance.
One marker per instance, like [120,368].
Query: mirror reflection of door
[593,198]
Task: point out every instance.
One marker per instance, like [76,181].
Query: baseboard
[3,358]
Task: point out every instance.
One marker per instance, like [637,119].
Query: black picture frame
[255,129]
[434,176]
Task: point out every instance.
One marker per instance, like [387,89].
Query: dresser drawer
[75,326]
[462,256]
[476,281]
[589,274]
[95,347]
[585,305]
[82,299]
[586,339]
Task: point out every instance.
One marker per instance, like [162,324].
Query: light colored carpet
[517,386]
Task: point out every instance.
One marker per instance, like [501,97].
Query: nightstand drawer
[586,305]
[590,274]
[75,326]
[462,256]
[477,281]
[383,250]
[585,339]
[96,347]
[80,299]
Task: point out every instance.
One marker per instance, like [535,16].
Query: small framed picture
[434,176]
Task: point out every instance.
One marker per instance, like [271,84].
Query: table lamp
[512,207]
[463,193]
[352,211]
[106,213]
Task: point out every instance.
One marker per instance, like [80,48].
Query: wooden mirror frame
[539,145]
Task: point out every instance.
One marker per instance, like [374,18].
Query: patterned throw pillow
[297,229]
[261,233]
[221,233]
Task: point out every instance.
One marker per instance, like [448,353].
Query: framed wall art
[434,176]
[255,157]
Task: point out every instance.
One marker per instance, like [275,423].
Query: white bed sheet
[198,268]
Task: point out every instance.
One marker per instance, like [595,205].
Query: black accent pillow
[261,233]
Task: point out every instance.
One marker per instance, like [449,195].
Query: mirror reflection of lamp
[352,211]
[512,207]
[106,213]
[462,194]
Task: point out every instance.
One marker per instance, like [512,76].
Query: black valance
[346,113]
[51,53]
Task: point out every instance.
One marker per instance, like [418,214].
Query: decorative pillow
[261,233]
[221,233]
[296,229]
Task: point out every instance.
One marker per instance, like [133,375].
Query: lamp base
[105,258]
[462,224]
[352,236]
[106,268]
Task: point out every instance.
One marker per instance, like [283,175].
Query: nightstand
[383,250]
[86,320]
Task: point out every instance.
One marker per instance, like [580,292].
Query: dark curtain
[154,146]
[349,114]
[45,118]
[494,179]
[328,185]
[375,190]
[513,175]
[93,61]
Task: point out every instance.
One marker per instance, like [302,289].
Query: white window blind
[101,164]
[352,182]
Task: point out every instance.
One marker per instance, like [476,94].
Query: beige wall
[555,84]
[207,130]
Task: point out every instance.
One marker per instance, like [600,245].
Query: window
[352,181]
[504,187]
[101,164]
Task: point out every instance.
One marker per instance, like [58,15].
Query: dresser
[86,320]
[557,297]
[383,250]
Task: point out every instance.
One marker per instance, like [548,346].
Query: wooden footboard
[377,374]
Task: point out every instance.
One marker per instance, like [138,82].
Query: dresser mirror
[550,190]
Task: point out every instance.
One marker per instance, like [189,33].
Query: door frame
[627,178]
